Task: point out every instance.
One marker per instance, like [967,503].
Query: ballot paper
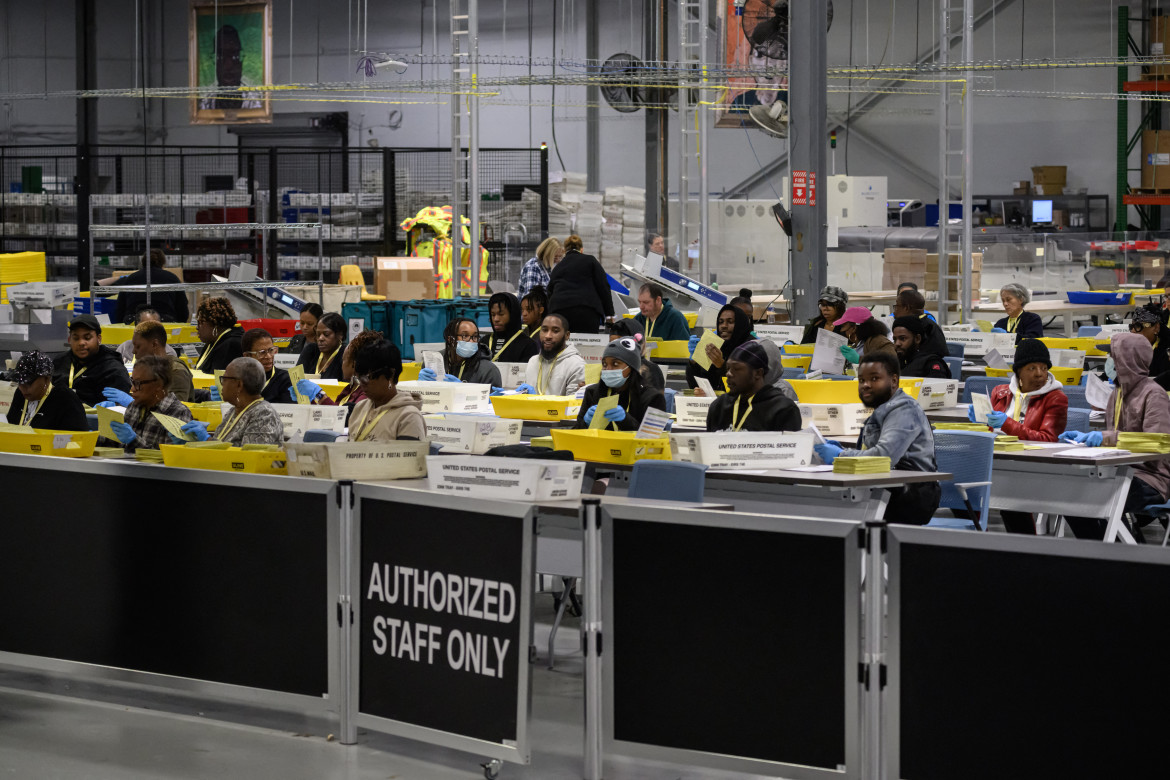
[107,415]
[1091,452]
[816,434]
[1097,392]
[592,373]
[603,404]
[295,375]
[827,355]
[434,361]
[654,422]
[705,385]
[982,404]
[700,354]
[174,426]
[984,326]
[994,359]
[810,469]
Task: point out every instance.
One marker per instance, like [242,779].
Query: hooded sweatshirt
[512,345]
[741,332]
[669,325]
[559,376]
[100,370]
[399,418]
[771,410]
[1138,404]
[775,374]
[1043,413]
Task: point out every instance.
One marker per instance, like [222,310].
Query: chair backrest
[666,480]
[316,435]
[1076,397]
[956,350]
[968,455]
[980,384]
[839,377]
[792,373]
[1088,331]
[351,275]
[955,364]
[1078,419]
[670,393]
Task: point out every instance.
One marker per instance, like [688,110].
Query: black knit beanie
[1031,351]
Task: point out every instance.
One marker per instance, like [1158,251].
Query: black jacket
[934,340]
[1029,326]
[634,397]
[771,411]
[522,347]
[222,352]
[810,331]
[171,306]
[101,370]
[478,369]
[715,374]
[276,388]
[926,364]
[579,280]
[652,375]
[309,357]
[61,411]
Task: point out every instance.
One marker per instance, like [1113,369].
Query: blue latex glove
[850,354]
[835,443]
[197,428]
[307,388]
[974,330]
[496,391]
[1071,436]
[616,414]
[118,397]
[526,388]
[592,410]
[971,413]
[106,404]
[1093,439]
[827,452]
[692,342]
[215,396]
[427,375]
[175,439]
[998,330]
[996,419]
[451,378]
[124,432]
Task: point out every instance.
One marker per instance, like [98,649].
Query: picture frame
[230,49]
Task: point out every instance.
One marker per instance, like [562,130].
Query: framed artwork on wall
[230,61]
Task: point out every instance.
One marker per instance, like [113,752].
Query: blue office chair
[792,373]
[838,377]
[670,393]
[1076,397]
[955,364]
[320,435]
[666,480]
[1160,511]
[968,455]
[1078,419]
[956,350]
[1088,331]
[92,419]
[980,384]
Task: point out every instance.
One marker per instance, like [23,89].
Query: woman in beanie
[39,403]
[620,375]
[832,303]
[1148,324]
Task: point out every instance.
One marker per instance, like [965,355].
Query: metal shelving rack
[1149,206]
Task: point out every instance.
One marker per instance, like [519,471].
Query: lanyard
[327,362]
[650,328]
[1012,323]
[1019,397]
[540,373]
[1117,410]
[71,375]
[735,412]
[506,343]
[207,351]
[270,378]
[223,431]
[365,429]
[25,417]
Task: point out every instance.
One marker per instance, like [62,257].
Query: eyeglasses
[261,352]
[136,384]
[365,379]
[467,337]
[1138,327]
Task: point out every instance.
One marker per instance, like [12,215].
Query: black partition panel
[730,641]
[1029,663]
[224,584]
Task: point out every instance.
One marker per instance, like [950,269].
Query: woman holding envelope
[710,361]
[141,430]
[621,379]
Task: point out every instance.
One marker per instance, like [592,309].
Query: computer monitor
[1041,212]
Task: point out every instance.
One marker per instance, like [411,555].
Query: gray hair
[251,374]
[1017,291]
[160,368]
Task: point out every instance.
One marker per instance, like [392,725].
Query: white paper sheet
[982,404]
[434,360]
[1097,392]
[827,355]
[705,385]
[654,422]
[994,359]
[1092,452]
[816,434]
[823,467]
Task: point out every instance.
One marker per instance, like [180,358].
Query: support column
[657,202]
[592,99]
[85,15]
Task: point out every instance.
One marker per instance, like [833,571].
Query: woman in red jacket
[1032,407]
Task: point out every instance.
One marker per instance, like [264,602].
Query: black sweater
[222,352]
[276,388]
[771,411]
[926,364]
[101,370]
[521,348]
[171,306]
[634,397]
[579,280]
[1029,326]
[61,411]
[309,357]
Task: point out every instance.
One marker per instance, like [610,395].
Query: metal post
[345,707]
[704,123]
[807,97]
[85,16]
[657,206]
[592,98]
[591,639]
[473,196]
[873,658]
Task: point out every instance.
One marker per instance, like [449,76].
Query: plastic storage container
[230,459]
[1101,298]
[670,349]
[212,413]
[1066,376]
[536,407]
[610,446]
[64,444]
[375,315]
[1087,345]
[358,460]
[825,391]
[278,329]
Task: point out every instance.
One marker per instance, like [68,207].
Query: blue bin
[375,315]
[418,322]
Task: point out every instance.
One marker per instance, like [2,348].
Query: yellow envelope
[106,416]
[174,426]
[295,375]
[604,404]
[700,355]
[984,326]
[592,373]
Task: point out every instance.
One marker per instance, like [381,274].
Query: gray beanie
[834,295]
[625,349]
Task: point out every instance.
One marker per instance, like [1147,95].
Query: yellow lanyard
[1117,410]
[1019,398]
[71,376]
[462,366]
[506,343]
[650,328]
[735,412]
[270,376]
[365,429]
[207,351]
[320,367]
[540,388]
[25,417]
[223,431]
[1012,323]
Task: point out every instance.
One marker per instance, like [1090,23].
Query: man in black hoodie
[89,367]
[909,335]
[750,403]
[508,342]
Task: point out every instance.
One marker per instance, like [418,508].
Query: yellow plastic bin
[210,413]
[670,349]
[692,318]
[410,372]
[1066,376]
[959,427]
[796,361]
[230,459]
[798,349]
[827,391]
[64,444]
[536,407]
[610,446]
[1086,345]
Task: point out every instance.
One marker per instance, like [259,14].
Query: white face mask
[466,349]
[1110,368]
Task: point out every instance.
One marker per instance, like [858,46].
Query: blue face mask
[466,349]
[1110,368]
[614,377]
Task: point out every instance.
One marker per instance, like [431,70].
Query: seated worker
[37,403]
[832,304]
[353,390]
[744,301]
[150,338]
[630,328]
[734,327]
[308,332]
[898,430]
[465,358]
[1149,325]
[1025,324]
[1137,404]
[914,287]
[558,369]
[252,420]
[126,348]
[775,375]
[658,317]
[90,366]
[322,356]
[751,403]
[508,342]
[258,344]
[141,430]
[215,322]
[910,303]
[866,333]
[620,376]
[171,306]
[384,414]
[533,307]
[909,341]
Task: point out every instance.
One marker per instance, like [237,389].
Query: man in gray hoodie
[898,430]
[558,369]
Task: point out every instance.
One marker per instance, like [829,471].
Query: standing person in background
[559,368]
[533,307]
[172,306]
[734,327]
[535,272]
[658,247]
[579,290]
[658,318]
[508,342]
[309,317]
[323,356]
[126,348]
[1024,324]
[464,357]
[215,322]
[832,303]
[90,366]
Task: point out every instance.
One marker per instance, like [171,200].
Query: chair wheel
[491,769]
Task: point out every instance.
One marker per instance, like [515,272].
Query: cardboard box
[835,419]
[1049,175]
[1158,34]
[515,479]
[1156,159]
[404,278]
[471,434]
[1021,188]
[903,265]
[743,450]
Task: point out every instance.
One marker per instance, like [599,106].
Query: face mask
[466,349]
[1110,368]
[613,377]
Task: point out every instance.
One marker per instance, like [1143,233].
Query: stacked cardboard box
[1158,32]
[1156,160]
[613,212]
[954,285]
[1050,179]
[904,265]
